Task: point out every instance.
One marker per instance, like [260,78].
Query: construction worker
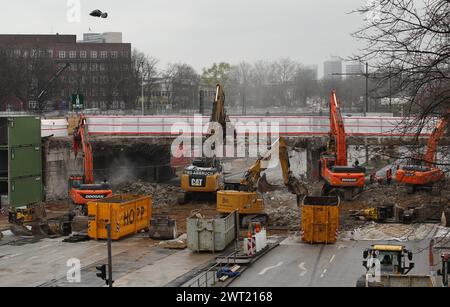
[372,177]
[389,176]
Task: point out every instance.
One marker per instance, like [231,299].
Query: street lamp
[142,89]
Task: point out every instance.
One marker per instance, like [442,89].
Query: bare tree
[183,82]
[408,41]
[23,74]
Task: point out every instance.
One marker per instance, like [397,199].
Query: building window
[114,54]
[93,54]
[17,52]
[94,67]
[72,54]
[84,67]
[95,80]
[104,54]
[125,54]
[73,66]
[102,66]
[62,54]
[83,54]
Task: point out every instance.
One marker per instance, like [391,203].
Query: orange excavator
[425,175]
[82,188]
[338,175]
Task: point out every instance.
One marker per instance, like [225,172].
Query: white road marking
[304,270]
[12,256]
[33,258]
[323,273]
[270,268]
[332,258]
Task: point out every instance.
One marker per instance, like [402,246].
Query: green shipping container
[21,160]
[25,161]
[24,131]
[25,191]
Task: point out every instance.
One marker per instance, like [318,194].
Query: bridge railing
[287,125]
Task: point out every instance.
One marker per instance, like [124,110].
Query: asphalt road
[295,264]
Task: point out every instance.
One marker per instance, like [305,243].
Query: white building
[107,37]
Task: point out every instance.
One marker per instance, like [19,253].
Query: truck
[320,219]
[388,265]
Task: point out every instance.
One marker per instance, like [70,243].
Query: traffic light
[102,271]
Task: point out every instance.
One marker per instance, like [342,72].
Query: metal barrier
[209,277]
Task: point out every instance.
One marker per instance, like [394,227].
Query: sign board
[77,102]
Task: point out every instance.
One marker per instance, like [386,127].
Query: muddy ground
[281,206]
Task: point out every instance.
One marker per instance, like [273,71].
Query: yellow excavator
[245,196]
[204,177]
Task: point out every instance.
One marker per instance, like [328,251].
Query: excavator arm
[252,180]
[218,113]
[433,142]
[337,131]
[81,140]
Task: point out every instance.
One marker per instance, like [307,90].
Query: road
[294,264]
[137,261]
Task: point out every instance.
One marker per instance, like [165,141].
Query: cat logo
[196,182]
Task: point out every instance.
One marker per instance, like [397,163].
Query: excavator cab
[75,181]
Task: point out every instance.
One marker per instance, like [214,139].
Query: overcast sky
[200,32]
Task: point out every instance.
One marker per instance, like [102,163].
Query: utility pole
[142,90]
[102,269]
[244,107]
[367,89]
[110,280]
[367,76]
[202,101]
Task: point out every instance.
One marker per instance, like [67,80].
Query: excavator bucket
[20,231]
[264,186]
[296,187]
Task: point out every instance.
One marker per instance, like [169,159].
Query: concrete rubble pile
[163,195]
[284,216]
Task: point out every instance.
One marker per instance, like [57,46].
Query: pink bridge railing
[287,125]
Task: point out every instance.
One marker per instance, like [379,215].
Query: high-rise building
[355,68]
[313,71]
[98,69]
[332,66]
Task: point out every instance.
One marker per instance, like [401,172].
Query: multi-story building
[355,68]
[331,67]
[101,71]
